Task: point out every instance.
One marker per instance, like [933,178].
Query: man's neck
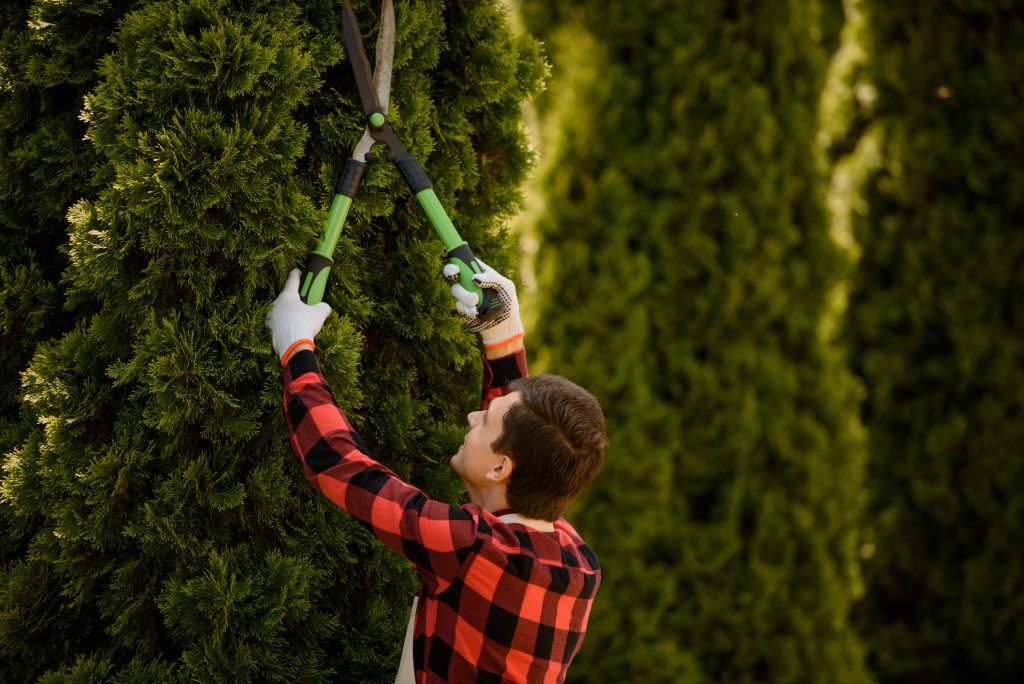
[495,501]
[492,498]
[541,525]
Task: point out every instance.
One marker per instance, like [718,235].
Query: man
[507,584]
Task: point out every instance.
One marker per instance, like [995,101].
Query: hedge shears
[374,94]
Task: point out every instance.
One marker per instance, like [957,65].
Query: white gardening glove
[505,327]
[292,320]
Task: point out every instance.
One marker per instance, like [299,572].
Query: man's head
[543,443]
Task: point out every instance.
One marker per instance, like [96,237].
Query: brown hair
[555,437]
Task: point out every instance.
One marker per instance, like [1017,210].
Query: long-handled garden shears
[374,93]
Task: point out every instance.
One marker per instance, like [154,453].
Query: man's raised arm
[502,336]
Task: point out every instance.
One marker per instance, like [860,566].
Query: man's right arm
[500,371]
[502,334]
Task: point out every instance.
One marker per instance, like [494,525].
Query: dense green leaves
[48,54]
[935,331]
[686,253]
[166,532]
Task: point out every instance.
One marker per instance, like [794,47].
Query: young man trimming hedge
[507,583]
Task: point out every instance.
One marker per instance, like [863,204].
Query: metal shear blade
[381,80]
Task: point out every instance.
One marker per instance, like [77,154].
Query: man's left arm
[436,537]
[433,535]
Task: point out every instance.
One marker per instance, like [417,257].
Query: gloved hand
[503,328]
[292,321]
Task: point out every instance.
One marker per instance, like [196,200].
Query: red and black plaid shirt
[500,602]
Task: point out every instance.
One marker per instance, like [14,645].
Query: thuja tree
[47,56]
[689,266]
[935,323]
[177,538]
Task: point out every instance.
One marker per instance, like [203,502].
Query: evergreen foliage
[47,56]
[689,272]
[935,330]
[176,536]
[48,52]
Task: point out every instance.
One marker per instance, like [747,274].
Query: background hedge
[934,327]
[687,273]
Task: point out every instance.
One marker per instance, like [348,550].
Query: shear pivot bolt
[377,119]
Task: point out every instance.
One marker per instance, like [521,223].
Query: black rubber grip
[413,174]
[351,178]
[465,254]
[314,266]
[490,304]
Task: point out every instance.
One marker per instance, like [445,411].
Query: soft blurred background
[782,243]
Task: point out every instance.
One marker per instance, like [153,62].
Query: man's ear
[501,470]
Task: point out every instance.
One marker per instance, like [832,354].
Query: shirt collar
[507,515]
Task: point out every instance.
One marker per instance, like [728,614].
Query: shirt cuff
[502,371]
[302,362]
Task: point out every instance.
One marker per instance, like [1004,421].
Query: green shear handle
[374,90]
[456,248]
[318,268]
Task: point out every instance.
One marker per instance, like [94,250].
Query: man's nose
[473,417]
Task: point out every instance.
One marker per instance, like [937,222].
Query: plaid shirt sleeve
[436,537]
[499,373]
